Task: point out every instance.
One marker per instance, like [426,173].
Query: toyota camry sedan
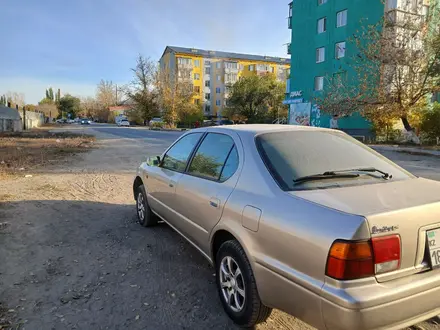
[305,220]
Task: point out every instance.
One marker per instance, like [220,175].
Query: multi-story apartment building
[320,49]
[212,72]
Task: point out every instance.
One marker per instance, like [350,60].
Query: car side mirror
[153,161]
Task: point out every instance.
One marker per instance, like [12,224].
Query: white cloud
[34,89]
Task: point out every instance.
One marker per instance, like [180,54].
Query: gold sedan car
[305,220]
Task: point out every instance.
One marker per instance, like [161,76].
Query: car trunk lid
[408,208]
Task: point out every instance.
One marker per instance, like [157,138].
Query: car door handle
[214,202]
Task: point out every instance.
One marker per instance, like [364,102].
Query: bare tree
[107,93]
[175,93]
[141,90]
[395,69]
[15,99]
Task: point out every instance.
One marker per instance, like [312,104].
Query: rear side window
[231,165]
[211,156]
[177,157]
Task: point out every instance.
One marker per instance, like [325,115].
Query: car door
[162,180]
[204,188]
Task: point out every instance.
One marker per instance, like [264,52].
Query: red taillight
[386,253]
[353,260]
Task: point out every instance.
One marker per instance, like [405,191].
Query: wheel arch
[136,184]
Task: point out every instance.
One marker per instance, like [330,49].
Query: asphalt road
[420,165]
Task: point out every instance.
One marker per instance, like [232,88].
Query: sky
[73,44]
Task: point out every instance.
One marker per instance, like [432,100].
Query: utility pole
[24,117]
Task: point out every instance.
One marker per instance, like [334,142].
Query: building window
[322,25]
[272,69]
[184,74]
[219,78]
[290,9]
[207,96]
[231,65]
[208,70]
[207,108]
[251,67]
[320,55]
[340,50]
[217,90]
[319,83]
[196,76]
[219,65]
[197,63]
[207,83]
[197,89]
[207,62]
[196,101]
[218,102]
[341,18]
[321,2]
[184,61]
[231,77]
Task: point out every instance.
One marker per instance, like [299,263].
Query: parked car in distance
[85,121]
[61,121]
[155,121]
[306,220]
[124,122]
[70,121]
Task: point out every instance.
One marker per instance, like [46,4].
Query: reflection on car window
[231,165]
[211,156]
[177,157]
[294,154]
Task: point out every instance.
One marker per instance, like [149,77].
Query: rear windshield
[291,155]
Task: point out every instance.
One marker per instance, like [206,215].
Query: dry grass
[39,147]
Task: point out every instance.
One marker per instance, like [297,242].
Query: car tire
[145,216]
[252,311]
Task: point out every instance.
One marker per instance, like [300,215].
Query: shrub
[430,126]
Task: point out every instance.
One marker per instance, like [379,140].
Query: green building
[320,50]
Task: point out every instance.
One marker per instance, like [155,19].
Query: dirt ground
[72,255]
[38,147]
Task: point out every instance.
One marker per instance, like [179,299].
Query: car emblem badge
[383,229]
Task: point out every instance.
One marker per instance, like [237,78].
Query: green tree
[69,105]
[47,94]
[430,125]
[51,94]
[58,96]
[3,100]
[256,98]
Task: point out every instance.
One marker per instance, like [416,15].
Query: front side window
[340,50]
[320,55]
[210,157]
[341,18]
[176,158]
[291,155]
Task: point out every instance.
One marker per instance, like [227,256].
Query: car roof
[255,129]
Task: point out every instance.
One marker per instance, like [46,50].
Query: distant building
[320,48]
[10,120]
[211,71]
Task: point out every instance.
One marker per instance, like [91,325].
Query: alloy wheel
[232,284]
[141,206]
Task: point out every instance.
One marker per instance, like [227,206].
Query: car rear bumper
[391,305]
[361,305]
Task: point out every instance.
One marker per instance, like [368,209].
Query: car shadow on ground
[80,264]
